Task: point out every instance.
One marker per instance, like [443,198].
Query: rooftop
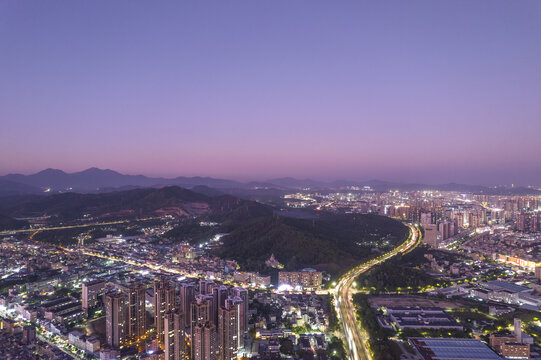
[452,349]
[507,286]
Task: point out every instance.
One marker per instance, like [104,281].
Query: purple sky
[427,91]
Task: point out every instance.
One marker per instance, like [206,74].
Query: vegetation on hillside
[332,242]
[401,273]
[8,223]
[192,231]
[229,212]
[139,203]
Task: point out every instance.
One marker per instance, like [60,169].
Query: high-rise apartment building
[187,297]
[220,295]
[175,337]
[474,220]
[206,286]
[91,293]
[307,279]
[243,309]
[426,218]
[228,332]
[459,217]
[444,228]
[164,301]
[200,312]
[116,316]
[135,296]
[204,342]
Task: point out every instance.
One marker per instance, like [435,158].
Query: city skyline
[407,92]
[300,180]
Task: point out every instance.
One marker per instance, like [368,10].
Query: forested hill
[332,242]
[8,223]
[327,241]
[171,200]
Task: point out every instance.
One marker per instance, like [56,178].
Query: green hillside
[139,203]
[331,242]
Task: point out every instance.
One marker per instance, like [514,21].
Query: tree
[286,347]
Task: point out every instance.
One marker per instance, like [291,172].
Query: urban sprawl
[474,292]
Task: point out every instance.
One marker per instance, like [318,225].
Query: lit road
[9,232]
[355,338]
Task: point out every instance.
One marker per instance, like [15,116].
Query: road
[355,337]
[10,232]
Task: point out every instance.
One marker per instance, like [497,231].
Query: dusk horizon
[324,179]
[422,91]
[270,180]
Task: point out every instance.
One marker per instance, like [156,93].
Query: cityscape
[307,180]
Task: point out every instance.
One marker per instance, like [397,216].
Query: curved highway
[355,337]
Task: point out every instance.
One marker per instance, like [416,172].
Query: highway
[355,338]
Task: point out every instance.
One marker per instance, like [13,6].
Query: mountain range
[99,180]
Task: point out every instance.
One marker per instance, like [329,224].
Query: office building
[514,350]
[497,340]
[430,235]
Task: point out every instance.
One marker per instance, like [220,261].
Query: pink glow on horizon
[416,91]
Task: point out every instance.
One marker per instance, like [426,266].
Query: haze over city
[410,91]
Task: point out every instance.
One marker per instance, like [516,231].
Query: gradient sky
[426,91]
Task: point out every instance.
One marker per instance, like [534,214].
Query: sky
[415,91]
